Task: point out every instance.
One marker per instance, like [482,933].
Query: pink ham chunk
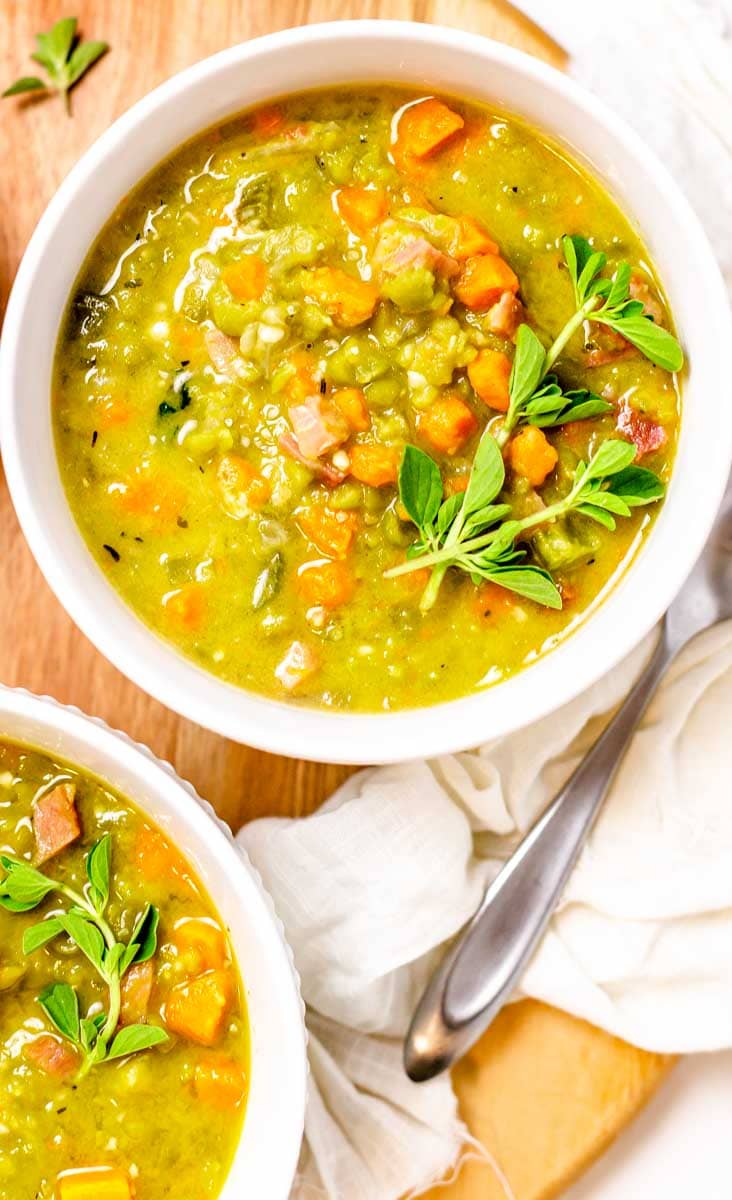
[55,821]
[52,1056]
[298,664]
[137,988]
[223,352]
[318,425]
[640,290]
[324,470]
[506,315]
[647,435]
[398,250]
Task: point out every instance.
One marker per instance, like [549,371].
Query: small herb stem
[429,595]
[443,558]
[564,335]
[82,902]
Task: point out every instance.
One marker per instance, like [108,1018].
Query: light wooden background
[545,1092]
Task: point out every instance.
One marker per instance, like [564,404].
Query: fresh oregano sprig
[536,396]
[608,302]
[472,533]
[65,59]
[97,1038]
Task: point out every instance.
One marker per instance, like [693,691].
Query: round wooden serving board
[545,1093]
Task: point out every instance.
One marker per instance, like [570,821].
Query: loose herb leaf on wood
[65,59]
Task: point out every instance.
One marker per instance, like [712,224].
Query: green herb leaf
[532,582]
[37,935]
[655,342]
[23,888]
[86,936]
[60,1003]
[84,57]
[53,48]
[611,457]
[486,477]
[420,486]
[88,1031]
[134,1038]
[28,83]
[144,940]
[584,264]
[64,58]
[638,486]
[597,514]
[528,366]
[99,871]
[449,509]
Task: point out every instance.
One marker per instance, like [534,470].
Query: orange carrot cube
[532,455]
[489,373]
[483,280]
[448,424]
[197,1009]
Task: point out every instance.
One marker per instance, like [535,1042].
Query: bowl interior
[318,56]
[267,1155]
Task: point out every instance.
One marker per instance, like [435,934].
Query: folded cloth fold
[372,886]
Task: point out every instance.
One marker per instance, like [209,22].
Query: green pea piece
[382,393]
[346,497]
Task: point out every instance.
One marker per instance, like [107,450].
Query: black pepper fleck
[94,437]
[112,552]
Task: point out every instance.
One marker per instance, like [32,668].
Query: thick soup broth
[266,323]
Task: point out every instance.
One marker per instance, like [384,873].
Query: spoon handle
[484,965]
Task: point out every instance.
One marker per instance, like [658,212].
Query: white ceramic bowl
[266,1159]
[429,58]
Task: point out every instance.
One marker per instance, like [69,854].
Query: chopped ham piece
[398,251]
[319,426]
[506,315]
[296,666]
[641,290]
[613,347]
[55,821]
[137,988]
[223,352]
[324,470]
[647,435]
[52,1056]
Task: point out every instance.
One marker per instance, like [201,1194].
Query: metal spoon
[484,965]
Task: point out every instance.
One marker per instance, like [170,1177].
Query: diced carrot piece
[348,300]
[303,383]
[198,1008]
[299,664]
[483,280]
[201,944]
[426,126]
[187,606]
[352,403]
[55,821]
[52,1056]
[186,338]
[159,499]
[241,487]
[246,278]
[112,413]
[220,1082]
[489,373]
[328,584]
[472,239]
[374,464]
[156,859]
[94,1183]
[362,208]
[266,121]
[532,455]
[330,532]
[493,602]
[448,423]
[137,988]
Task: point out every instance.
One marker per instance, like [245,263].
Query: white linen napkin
[371,887]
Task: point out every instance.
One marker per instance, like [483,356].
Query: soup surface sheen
[267,321]
[151,1124]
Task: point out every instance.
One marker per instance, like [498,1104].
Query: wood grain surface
[544,1092]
